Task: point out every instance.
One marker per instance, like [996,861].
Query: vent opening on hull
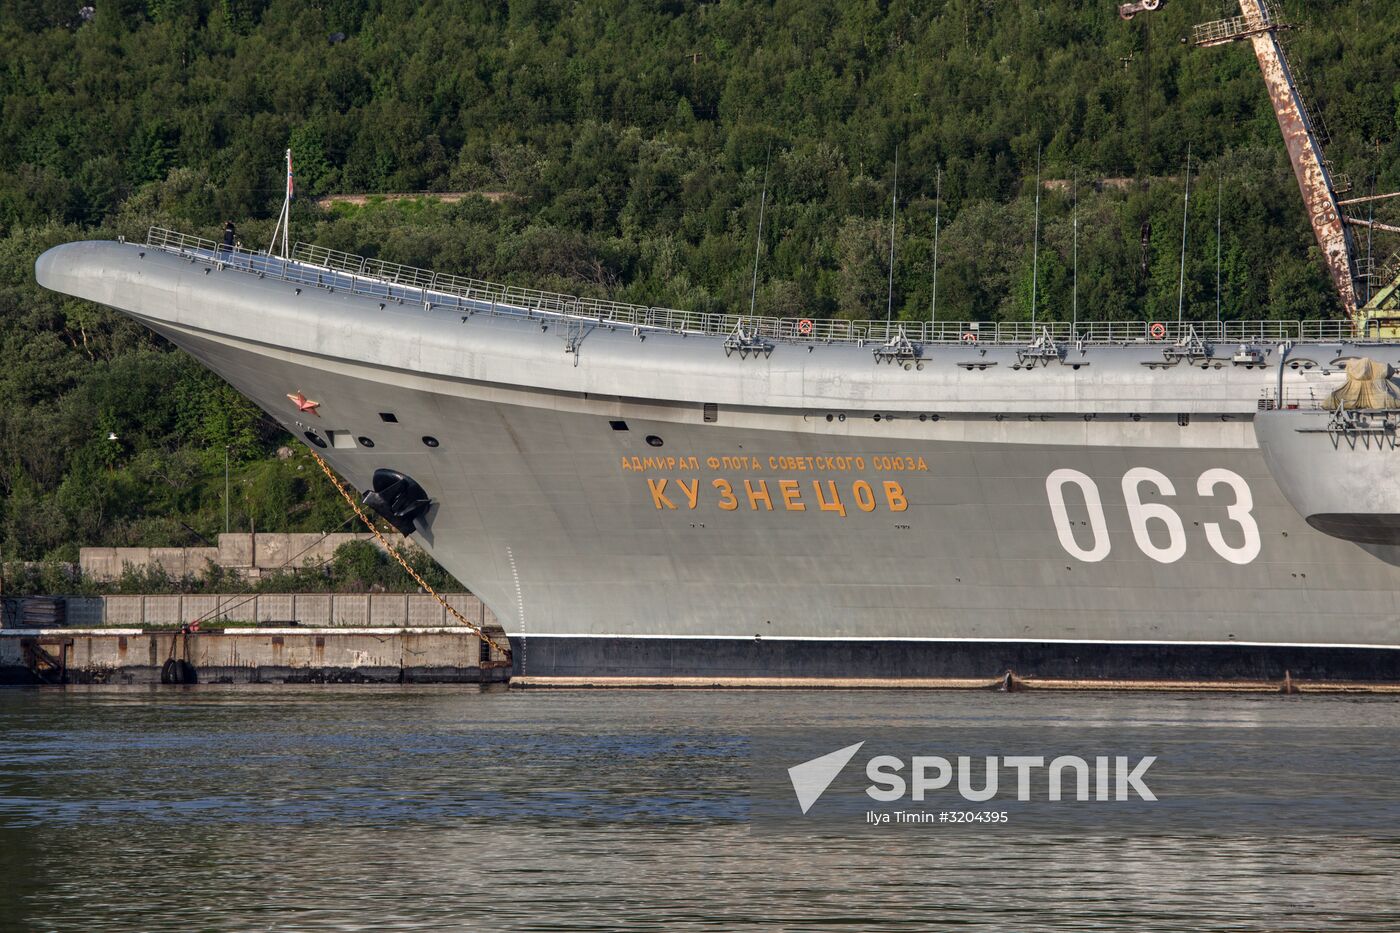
[388,417]
[618,425]
[711,412]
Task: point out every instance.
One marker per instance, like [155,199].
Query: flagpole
[284,218]
[287,212]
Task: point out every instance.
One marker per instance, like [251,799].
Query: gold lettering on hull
[828,495]
[742,463]
[758,494]
[726,495]
[635,464]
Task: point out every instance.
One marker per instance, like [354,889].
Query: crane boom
[1259,23]
[1304,150]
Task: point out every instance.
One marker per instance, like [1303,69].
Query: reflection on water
[291,808]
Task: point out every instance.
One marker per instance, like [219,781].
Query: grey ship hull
[1106,520]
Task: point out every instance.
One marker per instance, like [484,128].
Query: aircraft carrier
[641,492]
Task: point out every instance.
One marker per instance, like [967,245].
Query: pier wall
[322,610]
[296,655]
[251,554]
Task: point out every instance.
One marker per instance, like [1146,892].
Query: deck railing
[392,282]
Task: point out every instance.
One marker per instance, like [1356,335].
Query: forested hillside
[624,144]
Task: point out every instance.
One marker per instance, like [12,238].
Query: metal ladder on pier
[46,666]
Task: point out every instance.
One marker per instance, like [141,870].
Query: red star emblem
[304,404]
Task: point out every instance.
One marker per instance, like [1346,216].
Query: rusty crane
[1260,24]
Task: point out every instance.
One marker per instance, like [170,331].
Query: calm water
[438,808]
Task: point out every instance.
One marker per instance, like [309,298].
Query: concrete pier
[441,654]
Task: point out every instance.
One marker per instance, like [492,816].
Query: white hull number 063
[1157,528]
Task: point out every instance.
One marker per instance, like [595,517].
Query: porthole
[429,440]
[877,416]
[315,438]
[841,417]
[830,417]
[923,417]
[654,441]
[366,442]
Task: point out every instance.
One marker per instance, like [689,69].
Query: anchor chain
[394,553]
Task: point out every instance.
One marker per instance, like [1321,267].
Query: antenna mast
[1185,208]
[937,204]
[894,207]
[1035,241]
[758,241]
[1074,300]
[1370,231]
[1219,192]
